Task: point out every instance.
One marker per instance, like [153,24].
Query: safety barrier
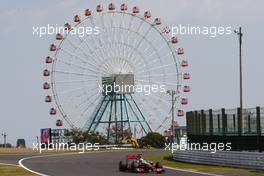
[254,160]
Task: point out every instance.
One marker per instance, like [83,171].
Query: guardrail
[253,160]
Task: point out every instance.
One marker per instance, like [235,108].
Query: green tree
[119,131]
[154,140]
[79,136]
[21,143]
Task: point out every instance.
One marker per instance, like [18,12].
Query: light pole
[240,35]
[4,135]
[172,93]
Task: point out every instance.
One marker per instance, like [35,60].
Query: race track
[92,164]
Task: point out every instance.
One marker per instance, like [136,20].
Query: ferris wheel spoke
[98,51]
[73,90]
[99,39]
[129,27]
[103,35]
[93,26]
[156,106]
[159,75]
[142,38]
[88,99]
[74,73]
[136,61]
[88,46]
[89,106]
[81,115]
[97,56]
[158,59]
[79,58]
[159,67]
[83,93]
[73,55]
[77,66]
[76,81]
[137,31]
[103,54]
[158,82]
[134,48]
[140,42]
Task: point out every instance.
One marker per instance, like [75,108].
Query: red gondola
[174,40]
[46,72]
[59,123]
[180,51]
[135,10]
[87,12]
[59,36]
[53,47]
[186,76]
[186,89]
[180,113]
[147,14]
[77,19]
[46,86]
[166,30]
[123,7]
[67,26]
[111,6]
[184,63]
[184,101]
[48,99]
[53,111]
[99,8]
[48,60]
[157,21]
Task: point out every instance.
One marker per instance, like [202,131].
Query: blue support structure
[110,111]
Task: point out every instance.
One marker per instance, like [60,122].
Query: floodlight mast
[240,35]
[4,135]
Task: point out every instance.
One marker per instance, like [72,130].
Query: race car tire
[122,166]
[158,165]
[134,166]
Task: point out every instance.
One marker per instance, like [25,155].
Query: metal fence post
[249,125]
[259,142]
[218,123]
[239,122]
[203,118]
[234,124]
[224,122]
[211,128]
[196,123]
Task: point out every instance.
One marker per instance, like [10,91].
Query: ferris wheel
[105,45]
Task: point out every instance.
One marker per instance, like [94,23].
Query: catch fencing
[244,130]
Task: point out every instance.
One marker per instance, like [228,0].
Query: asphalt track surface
[90,164]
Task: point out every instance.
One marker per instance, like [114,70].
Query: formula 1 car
[135,163]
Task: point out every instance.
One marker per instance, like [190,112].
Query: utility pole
[172,93]
[4,135]
[240,35]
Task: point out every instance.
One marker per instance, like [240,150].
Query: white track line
[43,156]
[24,167]
[65,154]
[7,164]
[195,172]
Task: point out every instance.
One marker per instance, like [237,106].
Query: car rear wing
[134,156]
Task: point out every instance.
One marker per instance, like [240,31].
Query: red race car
[135,163]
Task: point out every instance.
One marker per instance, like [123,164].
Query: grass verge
[166,160]
[8,170]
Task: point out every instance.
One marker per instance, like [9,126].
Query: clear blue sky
[214,61]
